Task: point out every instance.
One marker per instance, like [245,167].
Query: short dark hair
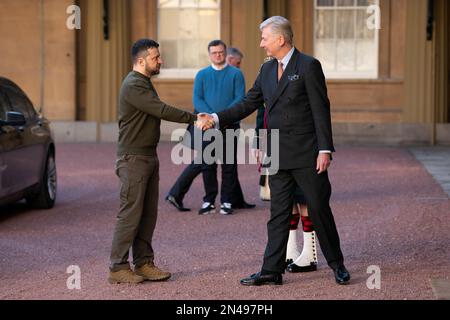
[234,52]
[216,43]
[140,46]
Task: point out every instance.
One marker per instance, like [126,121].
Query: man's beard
[152,72]
[155,72]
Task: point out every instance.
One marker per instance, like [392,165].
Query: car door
[31,154]
[10,153]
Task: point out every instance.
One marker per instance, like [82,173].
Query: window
[19,102]
[4,106]
[185,27]
[343,42]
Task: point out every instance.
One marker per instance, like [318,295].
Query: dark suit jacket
[298,106]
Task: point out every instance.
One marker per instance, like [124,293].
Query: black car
[27,151]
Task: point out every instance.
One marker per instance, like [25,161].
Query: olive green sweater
[140,114]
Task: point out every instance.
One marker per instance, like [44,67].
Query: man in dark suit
[292,87]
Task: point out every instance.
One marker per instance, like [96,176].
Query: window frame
[347,75]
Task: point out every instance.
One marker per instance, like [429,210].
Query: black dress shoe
[342,275]
[176,204]
[243,205]
[258,280]
[293,268]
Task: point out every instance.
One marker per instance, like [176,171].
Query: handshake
[205,121]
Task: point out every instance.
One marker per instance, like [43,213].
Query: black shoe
[293,268]
[342,275]
[258,280]
[176,204]
[244,205]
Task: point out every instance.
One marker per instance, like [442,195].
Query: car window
[4,106]
[19,102]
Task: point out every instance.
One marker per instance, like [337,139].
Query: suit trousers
[317,192]
[136,220]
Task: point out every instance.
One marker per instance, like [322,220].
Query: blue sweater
[217,90]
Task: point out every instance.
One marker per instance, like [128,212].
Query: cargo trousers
[136,220]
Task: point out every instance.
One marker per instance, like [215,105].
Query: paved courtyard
[390,211]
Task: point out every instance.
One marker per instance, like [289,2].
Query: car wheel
[45,198]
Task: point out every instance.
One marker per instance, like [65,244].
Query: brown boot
[152,273]
[124,276]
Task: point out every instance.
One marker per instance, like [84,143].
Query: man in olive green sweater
[137,166]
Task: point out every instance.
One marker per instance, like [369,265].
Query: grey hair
[234,52]
[279,25]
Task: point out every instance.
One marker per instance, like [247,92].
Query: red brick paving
[388,209]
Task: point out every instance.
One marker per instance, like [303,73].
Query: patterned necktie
[280,70]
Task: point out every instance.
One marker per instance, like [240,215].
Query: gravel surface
[389,211]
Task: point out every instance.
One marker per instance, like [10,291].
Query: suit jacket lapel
[284,81]
[273,74]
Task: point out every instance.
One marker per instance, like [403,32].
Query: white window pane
[208,24]
[345,3]
[185,31]
[325,24]
[189,3]
[366,56]
[189,58]
[168,3]
[168,31]
[345,23]
[346,55]
[188,24]
[169,53]
[199,4]
[366,3]
[209,3]
[325,3]
[326,53]
[203,55]
[362,31]
[342,41]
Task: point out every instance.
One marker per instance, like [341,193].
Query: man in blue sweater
[216,88]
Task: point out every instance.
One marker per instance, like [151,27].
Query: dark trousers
[231,190]
[185,180]
[228,185]
[317,192]
[229,170]
[139,183]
